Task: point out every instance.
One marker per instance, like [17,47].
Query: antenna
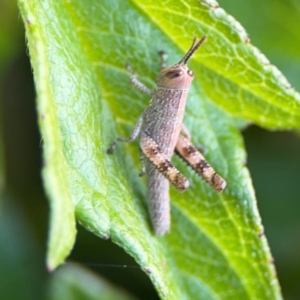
[192,50]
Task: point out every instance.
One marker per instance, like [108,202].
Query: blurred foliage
[72,282]
[10,32]
[273,161]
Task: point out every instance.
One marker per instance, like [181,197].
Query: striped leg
[162,163]
[189,153]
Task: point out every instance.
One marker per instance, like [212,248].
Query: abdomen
[163,124]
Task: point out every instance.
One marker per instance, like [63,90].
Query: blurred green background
[273,159]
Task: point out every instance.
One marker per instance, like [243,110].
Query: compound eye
[174,74]
[190,73]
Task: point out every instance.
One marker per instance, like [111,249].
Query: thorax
[163,117]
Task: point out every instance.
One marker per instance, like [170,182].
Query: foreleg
[132,137]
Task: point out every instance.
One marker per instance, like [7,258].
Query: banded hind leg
[160,160]
[190,154]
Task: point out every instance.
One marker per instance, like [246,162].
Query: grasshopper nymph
[161,133]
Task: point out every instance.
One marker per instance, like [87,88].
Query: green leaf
[281,44]
[216,249]
[233,73]
[62,229]
[73,282]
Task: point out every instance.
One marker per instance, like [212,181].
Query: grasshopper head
[179,76]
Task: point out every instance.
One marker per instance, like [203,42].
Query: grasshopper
[162,132]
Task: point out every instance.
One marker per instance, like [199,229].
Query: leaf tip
[51,266]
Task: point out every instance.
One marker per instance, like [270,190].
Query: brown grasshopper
[161,133]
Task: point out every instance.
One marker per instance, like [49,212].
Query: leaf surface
[216,249]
